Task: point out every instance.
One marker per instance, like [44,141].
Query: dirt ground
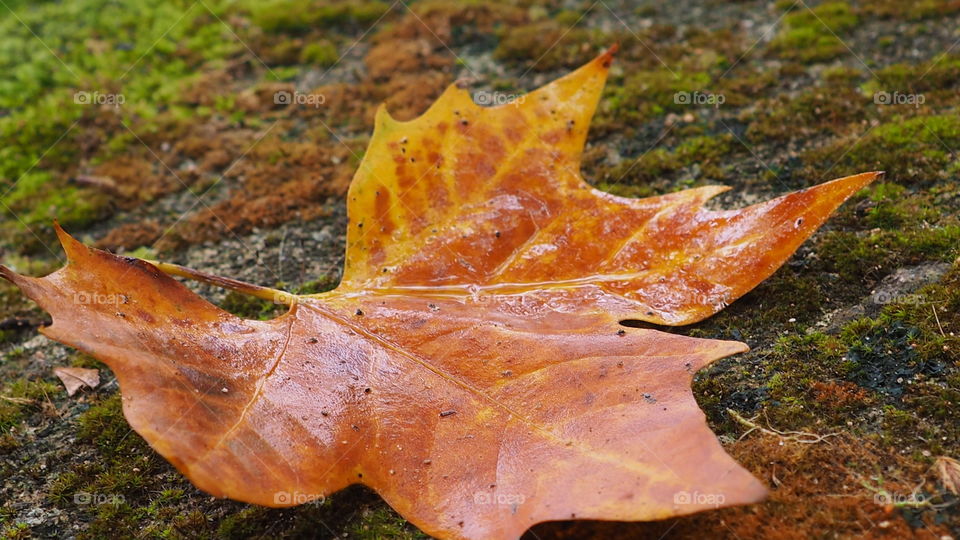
[847,404]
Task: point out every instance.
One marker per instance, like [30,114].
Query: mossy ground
[855,339]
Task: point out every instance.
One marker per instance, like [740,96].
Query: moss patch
[656,172]
[920,9]
[21,398]
[813,35]
[284,16]
[549,45]
[912,151]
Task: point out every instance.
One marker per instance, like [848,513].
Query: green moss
[116,520]
[911,151]
[76,480]
[919,9]
[744,85]
[104,425]
[323,54]
[568,17]
[700,149]
[126,486]
[811,35]
[707,152]
[938,75]
[317,286]
[819,111]
[250,307]
[547,45]
[20,398]
[635,178]
[382,523]
[146,50]
[279,16]
[73,207]
[17,531]
[917,310]
[862,259]
[841,76]
[654,172]
[646,94]
[901,364]
[891,206]
[900,367]
[243,524]
[82,360]
[788,300]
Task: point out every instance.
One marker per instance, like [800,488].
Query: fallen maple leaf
[74,378]
[470,367]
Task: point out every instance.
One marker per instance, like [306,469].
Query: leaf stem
[265,293]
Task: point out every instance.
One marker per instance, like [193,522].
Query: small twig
[18,400]
[50,405]
[795,436]
[937,317]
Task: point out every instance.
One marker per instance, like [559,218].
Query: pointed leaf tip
[71,246]
[606,57]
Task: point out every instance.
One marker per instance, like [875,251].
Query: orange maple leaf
[470,367]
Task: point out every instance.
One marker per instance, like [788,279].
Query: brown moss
[135,179]
[206,86]
[390,57]
[839,395]
[216,159]
[452,23]
[548,45]
[282,181]
[130,236]
[410,95]
[828,110]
